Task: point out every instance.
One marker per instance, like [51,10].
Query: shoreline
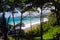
[28,25]
[33,23]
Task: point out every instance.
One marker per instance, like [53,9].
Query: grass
[37,38]
[51,33]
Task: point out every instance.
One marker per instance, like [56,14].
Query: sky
[45,11]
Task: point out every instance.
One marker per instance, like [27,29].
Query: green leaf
[11,1]
[22,0]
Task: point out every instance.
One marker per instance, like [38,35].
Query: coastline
[33,23]
[28,25]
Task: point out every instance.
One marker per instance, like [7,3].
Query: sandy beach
[32,23]
[28,25]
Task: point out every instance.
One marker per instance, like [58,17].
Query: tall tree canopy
[9,5]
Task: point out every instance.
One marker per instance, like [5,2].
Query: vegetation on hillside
[50,28]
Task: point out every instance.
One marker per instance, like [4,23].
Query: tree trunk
[57,11]
[5,29]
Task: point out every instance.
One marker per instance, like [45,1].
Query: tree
[35,4]
[3,27]
[57,10]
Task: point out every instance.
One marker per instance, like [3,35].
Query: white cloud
[46,11]
[39,9]
[7,14]
[18,13]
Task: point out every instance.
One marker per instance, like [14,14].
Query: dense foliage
[49,28]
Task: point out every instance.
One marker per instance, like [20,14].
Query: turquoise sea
[25,20]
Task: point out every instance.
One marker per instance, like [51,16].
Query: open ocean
[25,20]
